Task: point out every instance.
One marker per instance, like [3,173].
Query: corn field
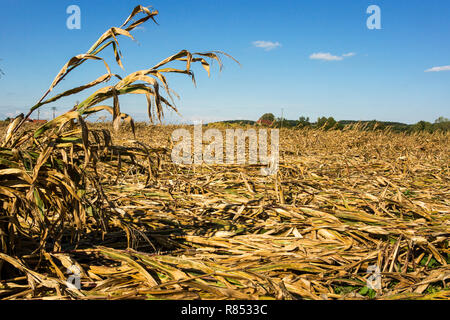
[108,200]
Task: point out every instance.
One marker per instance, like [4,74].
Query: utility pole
[39,113]
[54,110]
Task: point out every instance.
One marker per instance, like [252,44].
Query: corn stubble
[138,226]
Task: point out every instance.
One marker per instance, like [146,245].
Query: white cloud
[324,56]
[329,57]
[266,45]
[438,69]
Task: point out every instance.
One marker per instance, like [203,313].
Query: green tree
[442,124]
[325,123]
[441,120]
[268,117]
[330,123]
[303,122]
[321,121]
[423,126]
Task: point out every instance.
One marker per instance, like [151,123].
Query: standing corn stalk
[49,187]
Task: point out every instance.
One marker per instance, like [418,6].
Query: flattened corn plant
[49,186]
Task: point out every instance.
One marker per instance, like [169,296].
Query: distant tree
[303,122]
[268,117]
[321,121]
[339,125]
[441,120]
[326,123]
[423,126]
[330,123]
[442,124]
[303,119]
[283,122]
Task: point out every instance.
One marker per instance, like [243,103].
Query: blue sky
[323,60]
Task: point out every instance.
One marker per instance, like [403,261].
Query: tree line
[329,123]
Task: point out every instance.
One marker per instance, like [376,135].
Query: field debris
[199,232]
